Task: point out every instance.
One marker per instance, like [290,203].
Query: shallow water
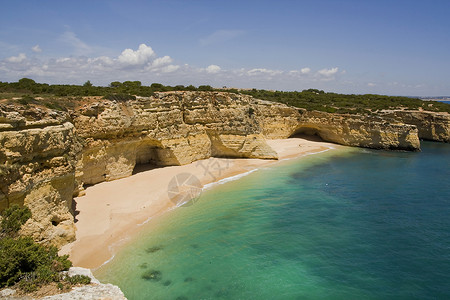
[358,224]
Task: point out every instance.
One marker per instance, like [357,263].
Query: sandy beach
[111,212]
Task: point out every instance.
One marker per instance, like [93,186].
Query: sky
[393,47]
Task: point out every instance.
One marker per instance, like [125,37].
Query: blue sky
[385,47]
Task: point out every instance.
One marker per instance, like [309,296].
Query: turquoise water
[358,224]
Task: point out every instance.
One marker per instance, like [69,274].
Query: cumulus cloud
[139,57]
[212,69]
[17,59]
[162,61]
[170,68]
[263,71]
[328,72]
[102,60]
[143,64]
[305,70]
[36,49]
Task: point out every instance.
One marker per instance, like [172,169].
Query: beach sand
[111,212]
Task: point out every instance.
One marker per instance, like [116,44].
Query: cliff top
[67,97]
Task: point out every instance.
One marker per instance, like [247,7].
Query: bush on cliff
[13,218]
[310,99]
[26,262]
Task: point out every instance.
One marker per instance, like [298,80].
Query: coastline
[111,212]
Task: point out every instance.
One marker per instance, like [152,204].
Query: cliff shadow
[75,212]
[139,168]
[149,157]
[308,134]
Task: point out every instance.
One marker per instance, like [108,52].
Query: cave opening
[147,158]
[307,133]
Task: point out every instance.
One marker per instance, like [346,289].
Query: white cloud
[305,70]
[145,65]
[170,68]
[328,72]
[212,69]
[263,71]
[162,61]
[220,36]
[138,57]
[371,84]
[104,60]
[17,59]
[36,49]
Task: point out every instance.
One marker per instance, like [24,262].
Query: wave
[145,222]
[236,177]
[307,154]
[228,179]
[111,250]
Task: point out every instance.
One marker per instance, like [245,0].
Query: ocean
[344,224]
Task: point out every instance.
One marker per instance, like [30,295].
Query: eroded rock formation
[47,156]
[361,131]
[431,126]
[37,168]
[168,129]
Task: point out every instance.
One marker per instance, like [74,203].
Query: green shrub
[28,285]
[120,97]
[23,260]
[78,279]
[13,218]
[251,111]
[25,100]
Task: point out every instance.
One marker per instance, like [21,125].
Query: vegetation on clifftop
[26,263]
[62,97]
[313,99]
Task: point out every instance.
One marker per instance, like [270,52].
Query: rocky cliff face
[431,126]
[361,131]
[47,156]
[174,128]
[38,150]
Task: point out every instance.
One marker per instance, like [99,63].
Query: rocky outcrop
[431,126]
[174,128]
[280,121]
[361,131]
[38,150]
[47,156]
[277,121]
[93,291]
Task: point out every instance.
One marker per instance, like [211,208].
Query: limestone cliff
[37,168]
[280,121]
[430,125]
[174,128]
[47,156]
[361,131]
